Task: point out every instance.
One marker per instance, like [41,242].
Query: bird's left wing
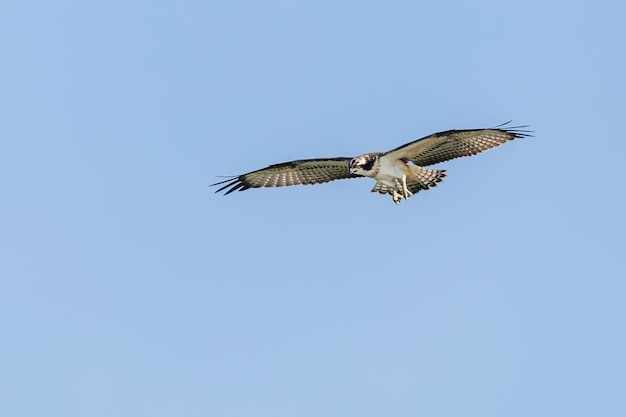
[304,171]
[443,146]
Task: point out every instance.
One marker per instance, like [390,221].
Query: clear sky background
[127,288]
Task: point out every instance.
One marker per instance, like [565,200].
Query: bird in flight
[400,172]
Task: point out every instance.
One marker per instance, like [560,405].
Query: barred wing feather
[451,144]
[304,171]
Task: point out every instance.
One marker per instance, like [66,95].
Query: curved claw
[397,197]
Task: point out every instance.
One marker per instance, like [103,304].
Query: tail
[423,178]
[419,178]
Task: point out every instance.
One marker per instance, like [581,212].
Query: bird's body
[386,170]
[399,172]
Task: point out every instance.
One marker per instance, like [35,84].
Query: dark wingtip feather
[222,182]
[517,131]
[233,183]
[236,185]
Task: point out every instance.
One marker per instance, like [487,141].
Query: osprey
[399,172]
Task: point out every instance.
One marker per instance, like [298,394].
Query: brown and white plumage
[391,170]
[301,172]
[451,144]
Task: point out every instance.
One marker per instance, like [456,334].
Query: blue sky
[128,288]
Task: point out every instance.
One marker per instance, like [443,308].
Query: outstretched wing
[305,171]
[443,146]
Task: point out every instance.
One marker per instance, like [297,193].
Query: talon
[397,197]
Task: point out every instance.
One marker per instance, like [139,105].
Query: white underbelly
[390,172]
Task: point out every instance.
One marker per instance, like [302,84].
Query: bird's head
[363,165]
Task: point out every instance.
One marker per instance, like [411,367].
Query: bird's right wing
[304,171]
